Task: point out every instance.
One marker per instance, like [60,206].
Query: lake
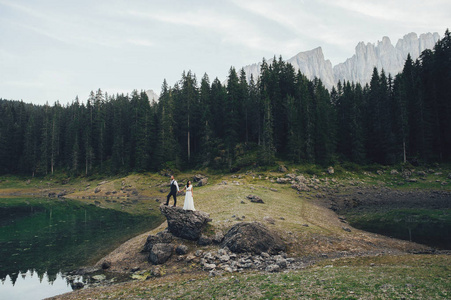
[44,238]
[431,227]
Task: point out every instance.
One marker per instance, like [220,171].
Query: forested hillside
[280,115]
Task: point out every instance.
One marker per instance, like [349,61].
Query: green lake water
[431,227]
[44,238]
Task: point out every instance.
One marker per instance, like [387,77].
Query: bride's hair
[187,183]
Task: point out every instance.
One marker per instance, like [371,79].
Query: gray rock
[330,170]
[185,224]
[204,240]
[181,249]
[223,251]
[224,258]
[227,268]
[218,237]
[254,238]
[160,253]
[346,229]
[209,267]
[198,177]
[255,199]
[100,277]
[272,268]
[106,265]
[301,179]
[203,182]
[282,169]
[283,180]
[300,187]
[208,256]
[161,237]
[214,273]
[269,220]
[281,262]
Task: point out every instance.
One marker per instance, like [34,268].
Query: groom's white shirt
[176,184]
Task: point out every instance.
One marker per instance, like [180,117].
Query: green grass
[385,277]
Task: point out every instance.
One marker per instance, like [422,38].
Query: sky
[56,50]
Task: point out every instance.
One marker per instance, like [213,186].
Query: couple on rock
[189,203]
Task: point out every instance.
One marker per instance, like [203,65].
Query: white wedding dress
[189,203]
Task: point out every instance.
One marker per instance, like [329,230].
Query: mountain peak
[358,68]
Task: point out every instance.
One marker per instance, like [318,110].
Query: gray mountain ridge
[358,68]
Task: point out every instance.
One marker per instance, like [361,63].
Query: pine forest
[227,126]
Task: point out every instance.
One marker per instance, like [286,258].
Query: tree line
[280,115]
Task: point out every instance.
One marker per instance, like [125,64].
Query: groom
[174,190]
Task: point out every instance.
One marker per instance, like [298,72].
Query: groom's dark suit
[173,192]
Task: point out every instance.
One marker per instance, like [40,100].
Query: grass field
[381,277]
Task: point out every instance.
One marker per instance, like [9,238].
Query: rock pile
[246,244]
[225,260]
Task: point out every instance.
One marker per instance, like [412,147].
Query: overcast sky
[55,50]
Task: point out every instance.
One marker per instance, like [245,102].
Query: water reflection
[34,285]
[53,236]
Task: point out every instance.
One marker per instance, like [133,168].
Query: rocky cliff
[358,68]
[383,55]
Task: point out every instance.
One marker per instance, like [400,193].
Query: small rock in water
[77,285]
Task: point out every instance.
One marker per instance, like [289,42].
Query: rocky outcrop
[185,224]
[152,96]
[252,237]
[312,64]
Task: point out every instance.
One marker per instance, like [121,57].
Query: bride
[189,203]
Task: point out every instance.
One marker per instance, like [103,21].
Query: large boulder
[161,237]
[160,253]
[252,237]
[186,224]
